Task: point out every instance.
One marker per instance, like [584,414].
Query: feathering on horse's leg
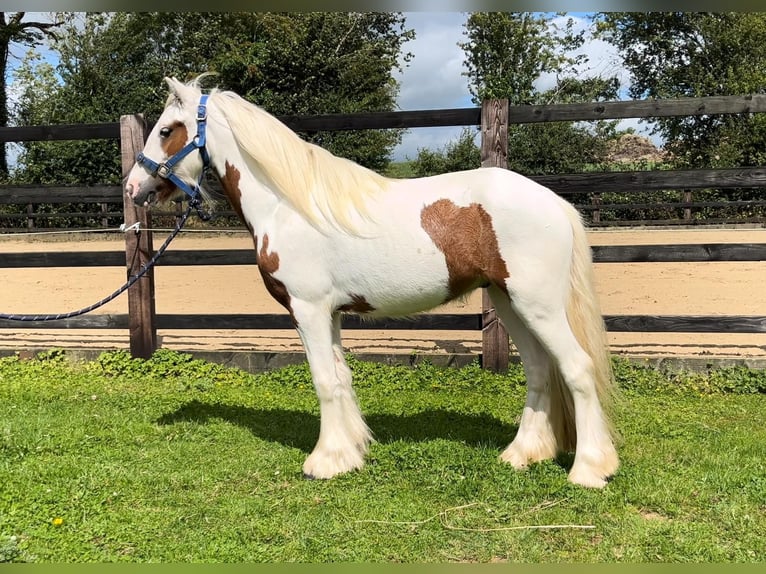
[595,455]
[343,434]
[535,439]
[358,430]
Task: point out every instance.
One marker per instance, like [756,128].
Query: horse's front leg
[343,434]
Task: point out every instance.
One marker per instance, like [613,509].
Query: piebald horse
[333,237]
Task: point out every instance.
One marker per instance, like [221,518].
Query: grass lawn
[175,460]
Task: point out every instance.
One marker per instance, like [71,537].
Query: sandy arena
[631,289]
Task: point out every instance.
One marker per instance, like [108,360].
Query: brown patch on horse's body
[230,185]
[466,237]
[358,304]
[268,264]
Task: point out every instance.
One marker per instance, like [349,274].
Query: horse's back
[519,209]
[492,187]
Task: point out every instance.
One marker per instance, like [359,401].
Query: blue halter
[165,169]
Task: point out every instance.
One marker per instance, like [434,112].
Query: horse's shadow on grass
[299,429]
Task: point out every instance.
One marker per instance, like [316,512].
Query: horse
[333,237]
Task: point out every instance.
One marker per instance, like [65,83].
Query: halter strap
[165,169]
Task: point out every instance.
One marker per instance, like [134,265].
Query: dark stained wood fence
[581,184]
[493,117]
[494,153]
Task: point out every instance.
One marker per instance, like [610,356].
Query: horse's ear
[173,84]
[177,90]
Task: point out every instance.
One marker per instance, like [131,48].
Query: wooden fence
[108,198]
[494,118]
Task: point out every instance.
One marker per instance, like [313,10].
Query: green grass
[400,170]
[175,459]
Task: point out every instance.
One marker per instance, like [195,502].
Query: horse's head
[174,156]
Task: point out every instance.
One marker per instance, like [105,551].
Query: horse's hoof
[587,478]
[308,476]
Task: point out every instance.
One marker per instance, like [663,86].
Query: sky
[434,78]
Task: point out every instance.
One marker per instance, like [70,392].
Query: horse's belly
[414,281]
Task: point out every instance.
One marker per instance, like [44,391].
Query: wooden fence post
[138,248]
[687,198]
[495,348]
[595,200]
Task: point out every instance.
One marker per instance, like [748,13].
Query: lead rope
[194,203]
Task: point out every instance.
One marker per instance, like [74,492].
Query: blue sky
[434,77]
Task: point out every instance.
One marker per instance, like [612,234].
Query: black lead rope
[193,204]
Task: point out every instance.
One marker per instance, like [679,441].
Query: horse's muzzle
[142,195]
[147,191]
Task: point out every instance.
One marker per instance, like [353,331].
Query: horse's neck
[247,189]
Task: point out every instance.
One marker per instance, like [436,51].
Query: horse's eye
[165,132]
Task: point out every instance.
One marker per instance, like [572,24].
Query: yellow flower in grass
[58,521]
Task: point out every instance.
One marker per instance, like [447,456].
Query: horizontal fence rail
[591,185]
[563,184]
[436,321]
[441,118]
[638,109]
[687,252]
[707,252]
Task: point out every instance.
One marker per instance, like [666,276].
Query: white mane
[322,187]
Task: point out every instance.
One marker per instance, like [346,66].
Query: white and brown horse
[333,237]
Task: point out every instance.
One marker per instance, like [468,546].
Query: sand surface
[635,288]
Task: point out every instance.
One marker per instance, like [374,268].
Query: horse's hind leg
[343,434]
[595,456]
[535,439]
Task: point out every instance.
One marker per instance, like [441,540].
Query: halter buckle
[163,171]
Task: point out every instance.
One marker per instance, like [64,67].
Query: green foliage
[14,29]
[719,380]
[693,54]
[9,550]
[455,156]
[320,63]
[90,85]
[506,52]
[291,63]
[546,149]
[400,169]
[189,373]
[174,459]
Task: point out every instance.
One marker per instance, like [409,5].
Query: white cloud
[434,77]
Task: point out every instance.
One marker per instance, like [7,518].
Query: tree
[321,63]
[506,54]
[564,147]
[692,54]
[89,85]
[13,29]
[113,64]
[455,156]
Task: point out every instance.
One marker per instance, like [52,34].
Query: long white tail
[587,324]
